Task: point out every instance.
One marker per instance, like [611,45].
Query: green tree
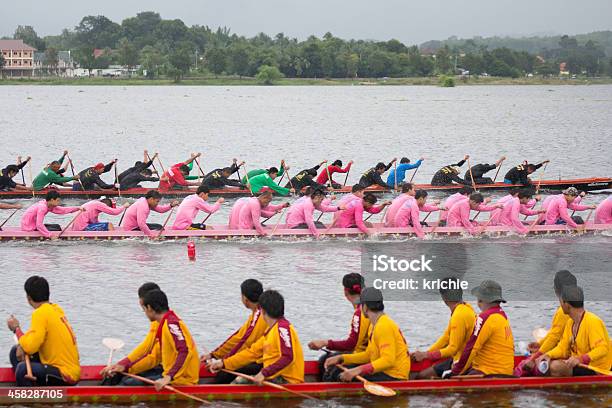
[216,60]
[180,61]
[170,33]
[97,32]
[139,30]
[29,36]
[151,60]
[268,75]
[51,60]
[443,61]
[84,56]
[127,53]
[238,60]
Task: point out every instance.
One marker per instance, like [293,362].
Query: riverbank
[248,81]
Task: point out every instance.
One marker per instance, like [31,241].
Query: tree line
[171,48]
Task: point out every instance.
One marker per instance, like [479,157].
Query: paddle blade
[539,333]
[112,343]
[377,389]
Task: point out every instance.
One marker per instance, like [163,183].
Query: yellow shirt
[142,355]
[357,340]
[556,331]
[280,351]
[51,336]
[457,333]
[251,331]
[591,345]
[387,351]
[490,348]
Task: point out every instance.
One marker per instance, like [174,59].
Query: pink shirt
[353,215]
[459,216]
[136,216]
[603,213]
[235,213]
[251,212]
[34,217]
[395,206]
[344,201]
[188,209]
[301,213]
[450,201]
[409,214]
[510,214]
[557,209]
[91,213]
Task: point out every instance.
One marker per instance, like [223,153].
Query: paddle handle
[117,180]
[161,232]
[497,172]
[69,224]
[395,176]
[414,174]
[329,179]
[346,177]
[246,175]
[268,383]
[110,358]
[29,374]
[541,177]
[199,168]
[471,175]
[360,378]
[153,164]
[278,223]
[31,179]
[168,387]
[8,218]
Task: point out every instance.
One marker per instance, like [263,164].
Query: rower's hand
[154,156]
[332,361]
[117,186]
[342,207]
[488,200]
[537,197]
[286,205]
[241,164]
[546,161]
[592,207]
[110,371]
[12,323]
[214,366]
[18,159]
[573,361]
[467,156]
[292,190]
[542,211]
[347,376]
[221,200]
[394,160]
[323,162]
[206,358]
[421,158]
[174,203]
[533,347]
[419,356]
[65,152]
[317,344]
[127,204]
[162,382]
[75,177]
[386,203]
[259,378]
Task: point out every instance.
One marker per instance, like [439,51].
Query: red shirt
[322,179]
[171,177]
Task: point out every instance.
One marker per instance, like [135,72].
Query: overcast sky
[410,21]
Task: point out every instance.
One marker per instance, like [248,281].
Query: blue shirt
[401,172]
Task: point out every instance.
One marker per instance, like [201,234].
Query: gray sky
[409,21]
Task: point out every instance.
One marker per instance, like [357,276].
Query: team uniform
[280,352]
[264,180]
[89,179]
[402,168]
[459,215]
[386,356]
[447,175]
[409,215]
[490,349]
[300,214]
[556,210]
[88,219]
[352,215]
[136,217]
[48,177]
[372,177]
[396,204]
[52,338]
[603,212]
[555,332]
[251,212]
[305,178]
[519,175]
[173,178]
[188,209]
[6,182]
[323,178]
[477,172]
[34,218]
[216,180]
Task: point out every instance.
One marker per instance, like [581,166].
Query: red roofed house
[18,58]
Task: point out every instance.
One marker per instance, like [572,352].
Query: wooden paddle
[597,370]
[269,384]
[277,223]
[371,387]
[329,179]
[153,164]
[395,175]
[8,218]
[581,228]
[471,175]
[161,232]
[414,174]
[197,162]
[77,175]
[70,223]
[160,165]
[290,182]
[246,175]
[346,178]
[22,175]
[498,168]
[31,179]
[113,345]
[117,180]
[168,387]
[28,375]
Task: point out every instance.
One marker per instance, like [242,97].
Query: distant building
[64,68]
[18,58]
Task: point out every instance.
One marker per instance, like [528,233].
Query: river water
[96,282]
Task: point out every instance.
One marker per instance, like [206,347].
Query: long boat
[89,389]
[221,232]
[584,184]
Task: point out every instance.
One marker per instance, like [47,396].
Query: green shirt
[261,180]
[46,177]
[257,172]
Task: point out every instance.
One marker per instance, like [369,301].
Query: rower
[136,216]
[88,219]
[409,214]
[402,168]
[463,193]
[6,178]
[189,207]
[256,183]
[306,178]
[490,348]
[449,174]
[459,213]
[175,178]
[53,174]
[407,193]
[234,217]
[134,362]
[133,179]
[300,216]
[514,204]
[357,193]
[34,217]
[603,212]
[557,206]
[373,175]
[478,171]
[138,167]
[89,179]
[251,331]
[328,171]
[256,172]
[451,343]
[352,215]
[50,342]
[256,207]
[386,355]
[357,340]
[219,178]
[585,340]
[278,349]
[520,174]
[173,348]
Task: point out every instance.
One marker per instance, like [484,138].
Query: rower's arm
[233,183]
[108,167]
[459,163]
[599,343]
[435,351]
[350,342]
[378,180]
[280,190]
[562,349]
[224,349]
[554,334]
[57,179]
[246,356]
[176,332]
[31,340]
[100,183]
[385,339]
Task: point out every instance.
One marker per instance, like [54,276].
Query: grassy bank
[232,81]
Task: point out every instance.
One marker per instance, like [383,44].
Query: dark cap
[370,295]
[489,291]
